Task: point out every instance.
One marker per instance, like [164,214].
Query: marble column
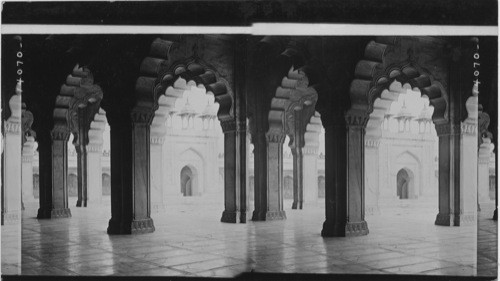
[260,176]
[27,169]
[60,137]
[158,204]
[310,173]
[372,176]
[275,176]
[344,178]
[298,180]
[483,171]
[94,173]
[234,171]
[11,207]
[94,154]
[130,172]
[457,174]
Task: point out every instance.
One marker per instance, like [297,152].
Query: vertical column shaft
[27,170]
[157,174]
[275,177]
[94,173]
[11,208]
[260,176]
[60,173]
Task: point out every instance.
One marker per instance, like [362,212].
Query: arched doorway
[403,183]
[187,181]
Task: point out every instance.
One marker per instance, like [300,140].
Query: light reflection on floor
[190,240]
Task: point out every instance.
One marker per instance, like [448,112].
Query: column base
[258,215]
[331,229]
[53,213]
[495,214]
[349,229]
[133,227]
[275,215]
[297,204]
[11,218]
[356,229]
[80,203]
[230,216]
[444,219]
[466,219]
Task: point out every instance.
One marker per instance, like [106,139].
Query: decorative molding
[448,129]
[310,150]
[228,126]
[356,228]
[469,128]
[27,158]
[96,148]
[157,140]
[12,127]
[142,226]
[356,120]
[275,215]
[275,138]
[60,134]
[372,143]
[60,213]
[142,116]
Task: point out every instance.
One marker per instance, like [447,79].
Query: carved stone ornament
[469,128]
[354,119]
[372,143]
[356,228]
[140,115]
[448,129]
[228,126]
[275,137]
[61,134]
[157,140]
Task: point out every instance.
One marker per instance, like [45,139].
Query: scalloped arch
[164,67]
[371,79]
[79,91]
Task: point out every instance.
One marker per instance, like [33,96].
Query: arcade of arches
[303,137]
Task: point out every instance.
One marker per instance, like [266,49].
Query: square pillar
[483,171]
[298,180]
[260,176]
[234,171]
[457,174]
[60,208]
[27,170]
[130,172]
[11,207]
[344,181]
[275,177]
[372,176]
[81,166]
[310,172]
[94,173]
[158,204]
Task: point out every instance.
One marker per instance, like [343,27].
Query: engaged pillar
[60,138]
[275,176]
[310,173]
[11,207]
[483,171]
[158,203]
[27,169]
[234,171]
[94,154]
[372,176]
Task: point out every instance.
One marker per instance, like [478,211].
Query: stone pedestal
[372,176]
[158,204]
[310,172]
[483,171]
[11,209]
[94,174]
[27,170]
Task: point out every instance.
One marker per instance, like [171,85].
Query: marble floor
[191,241]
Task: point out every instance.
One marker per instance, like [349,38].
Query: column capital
[27,158]
[355,119]
[12,127]
[275,138]
[228,125]
[448,129]
[310,150]
[142,115]
[157,140]
[60,134]
[372,143]
[468,128]
[96,148]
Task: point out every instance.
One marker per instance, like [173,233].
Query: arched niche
[189,181]
[194,161]
[411,164]
[404,183]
